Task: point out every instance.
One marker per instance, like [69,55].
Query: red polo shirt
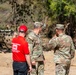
[19,49]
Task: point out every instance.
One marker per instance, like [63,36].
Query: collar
[21,37]
[35,33]
[61,34]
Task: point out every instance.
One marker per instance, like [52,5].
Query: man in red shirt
[20,53]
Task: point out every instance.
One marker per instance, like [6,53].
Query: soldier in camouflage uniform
[63,49]
[36,50]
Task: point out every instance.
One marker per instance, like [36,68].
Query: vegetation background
[16,12]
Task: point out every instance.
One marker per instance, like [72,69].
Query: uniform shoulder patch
[31,36]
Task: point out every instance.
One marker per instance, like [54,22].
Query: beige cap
[59,26]
[38,24]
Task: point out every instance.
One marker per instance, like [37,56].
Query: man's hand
[29,62]
[33,62]
[30,68]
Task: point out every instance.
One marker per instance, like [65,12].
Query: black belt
[20,61]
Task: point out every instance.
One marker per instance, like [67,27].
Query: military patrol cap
[38,24]
[59,26]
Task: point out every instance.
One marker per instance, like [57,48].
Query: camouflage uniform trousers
[38,69]
[62,69]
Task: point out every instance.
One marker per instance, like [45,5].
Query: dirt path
[6,64]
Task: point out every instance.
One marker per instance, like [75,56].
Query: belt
[20,61]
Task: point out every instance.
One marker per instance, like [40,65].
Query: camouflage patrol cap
[38,24]
[59,26]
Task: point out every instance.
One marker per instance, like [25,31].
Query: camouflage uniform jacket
[63,48]
[35,46]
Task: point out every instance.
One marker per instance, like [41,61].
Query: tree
[64,11]
[28,10]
